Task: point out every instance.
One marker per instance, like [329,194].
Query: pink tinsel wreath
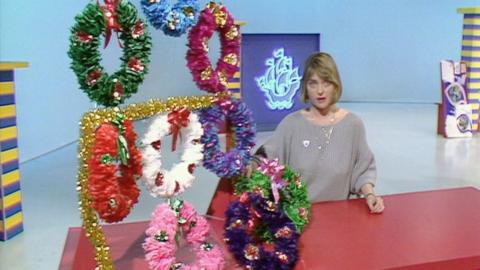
[160,244]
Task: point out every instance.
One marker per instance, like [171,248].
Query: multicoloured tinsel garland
[172,20]
[213,18]
[240,118]
[168,224]
[252,254]
[119,16]
[161,182]
[112,183]
[293,194]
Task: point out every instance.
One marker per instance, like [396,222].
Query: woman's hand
[375,203]
[250,169]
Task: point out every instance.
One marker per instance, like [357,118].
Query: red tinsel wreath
[112,184]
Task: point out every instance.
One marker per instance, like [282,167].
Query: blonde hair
[326,69]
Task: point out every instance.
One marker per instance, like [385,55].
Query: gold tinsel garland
[90,122]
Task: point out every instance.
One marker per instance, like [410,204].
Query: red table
[423,230]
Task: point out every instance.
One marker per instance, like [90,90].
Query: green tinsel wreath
[120,16]
[293,198]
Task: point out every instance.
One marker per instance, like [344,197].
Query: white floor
[410,157]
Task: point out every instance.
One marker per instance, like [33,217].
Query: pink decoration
[160,244]
[273,169]
[213,18]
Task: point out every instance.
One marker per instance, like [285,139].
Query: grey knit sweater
[333,160]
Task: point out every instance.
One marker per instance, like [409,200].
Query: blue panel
[7,99]
[6,75]
[470,37]
[470,58]
[7,145]
[8,122]
[470,48]
[9,166]
[13,210]
[11,188]
[471,26]
[14,231]
[471,16]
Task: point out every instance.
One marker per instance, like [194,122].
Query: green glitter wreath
[293,198]
[109,90]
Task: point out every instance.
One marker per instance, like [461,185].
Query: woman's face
[321,94]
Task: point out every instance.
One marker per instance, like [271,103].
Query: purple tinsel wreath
[240,118]
[251,253]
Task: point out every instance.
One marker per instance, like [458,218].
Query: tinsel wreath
[114,168]
[119,16]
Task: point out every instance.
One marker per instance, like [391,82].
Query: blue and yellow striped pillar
[234,88]
[471,55]
[234,83]
[11,216]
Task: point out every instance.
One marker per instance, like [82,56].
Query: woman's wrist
[256,159]
[367,188]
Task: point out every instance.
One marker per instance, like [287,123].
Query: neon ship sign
[280,82]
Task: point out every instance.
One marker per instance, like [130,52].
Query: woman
[324,143]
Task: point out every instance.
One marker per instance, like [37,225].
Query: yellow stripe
[236,75]
[469,10]
[9,155]
[471,53]
[475,116]
[8,133]
[11,177]
[12,199]
[471,21]
[473,64]
[474,96]
[7,88]
[7,111]
[475,85]
[12,65]
[2,226]
[235,85]
[475,106]
[14,220]
[474,75]
[467,42]
[237,95]
[475,126]
[240,23]
[471,32]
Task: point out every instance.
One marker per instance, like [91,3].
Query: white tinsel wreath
[166,183]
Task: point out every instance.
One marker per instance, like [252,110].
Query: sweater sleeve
[277,146]
[364,170]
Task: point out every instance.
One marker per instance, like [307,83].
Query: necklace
[327,133]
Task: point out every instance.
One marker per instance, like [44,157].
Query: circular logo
[455,94]
[463,123]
